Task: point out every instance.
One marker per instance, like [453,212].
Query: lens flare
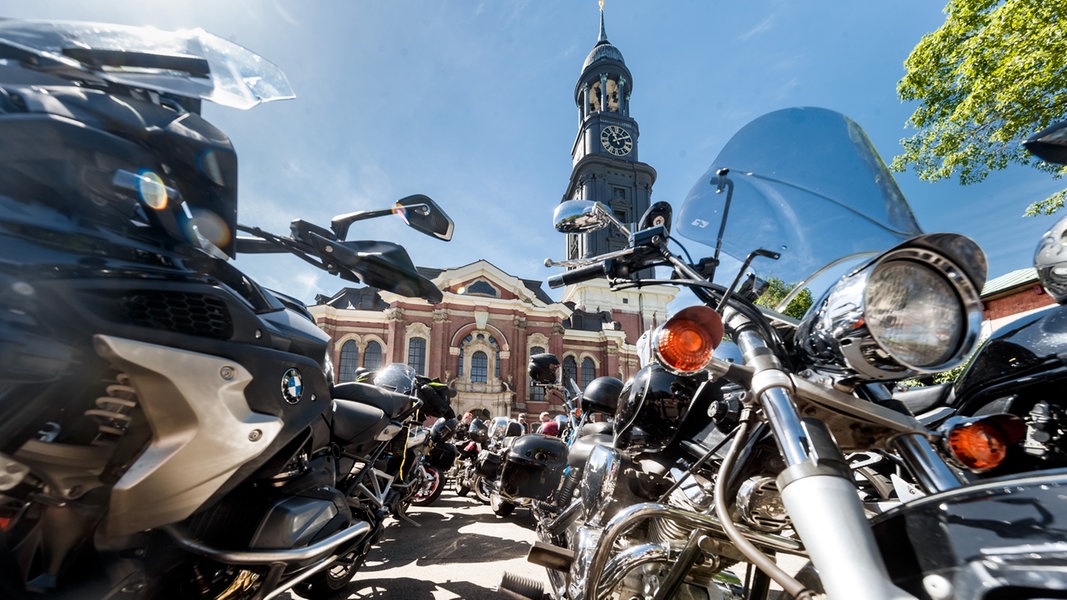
[152,190]
[212,227]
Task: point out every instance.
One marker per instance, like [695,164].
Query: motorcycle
[1020,368]
[469,475]
[730,461]
[438,460]
[168,427]
[541,472]
[415,462]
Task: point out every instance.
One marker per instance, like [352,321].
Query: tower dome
[604,71]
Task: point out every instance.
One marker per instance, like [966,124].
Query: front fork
[816,486]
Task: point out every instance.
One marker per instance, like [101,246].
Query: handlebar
[577,275]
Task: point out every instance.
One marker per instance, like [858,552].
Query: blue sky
[471,103]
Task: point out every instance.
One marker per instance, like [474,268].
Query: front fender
[1007,534]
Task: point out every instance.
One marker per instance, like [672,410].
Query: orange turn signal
[685,342]
[982,444]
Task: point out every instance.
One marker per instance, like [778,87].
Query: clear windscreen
[807,184]
[236,77]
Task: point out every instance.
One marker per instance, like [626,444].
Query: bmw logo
[292,386]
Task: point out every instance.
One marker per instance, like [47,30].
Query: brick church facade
[479,338]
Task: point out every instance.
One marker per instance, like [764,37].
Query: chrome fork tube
[923,462]
[816,487]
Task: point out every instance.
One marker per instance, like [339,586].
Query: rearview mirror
[423,214]
[584,216]
[1050,144]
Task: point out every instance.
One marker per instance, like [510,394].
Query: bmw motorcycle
[733,464]
[168,427]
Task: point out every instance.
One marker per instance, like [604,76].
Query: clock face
[616,140]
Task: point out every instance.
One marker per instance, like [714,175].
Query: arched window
[479,367]
[372,356]
[481,288]
[570,369]
[537,392]
[588,371]
[346,370]
[417,355]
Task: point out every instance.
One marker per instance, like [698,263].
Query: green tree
[992,75]
[776,292]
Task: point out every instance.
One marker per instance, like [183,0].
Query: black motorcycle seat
[598,428]
[357,422]
[391,403]
[921,399]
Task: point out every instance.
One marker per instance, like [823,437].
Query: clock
[616,140]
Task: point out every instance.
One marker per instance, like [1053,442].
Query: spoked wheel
[431,490]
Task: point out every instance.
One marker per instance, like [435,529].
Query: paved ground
[459,552]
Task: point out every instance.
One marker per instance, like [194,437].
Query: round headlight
[914,313]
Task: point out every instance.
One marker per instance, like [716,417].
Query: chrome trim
[838,319]
[628,517]
[598,481]
[202,431]
[925,463]
[261,557]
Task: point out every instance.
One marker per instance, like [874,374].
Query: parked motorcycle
[1022,367]
[438,460]
[718,467]
[168,427]
[415,461]
[541,472]
[469,474]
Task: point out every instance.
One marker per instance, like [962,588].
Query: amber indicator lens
[980,446]
[686,341]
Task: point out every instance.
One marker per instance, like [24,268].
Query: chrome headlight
[912,310]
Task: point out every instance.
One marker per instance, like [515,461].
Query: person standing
[549,426]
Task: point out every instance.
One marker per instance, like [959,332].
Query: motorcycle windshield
[807,184]
[190,63]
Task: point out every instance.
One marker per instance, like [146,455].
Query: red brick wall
[1022,300]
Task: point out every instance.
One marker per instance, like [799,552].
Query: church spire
[603,32]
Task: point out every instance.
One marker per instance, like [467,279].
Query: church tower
[604,158]
[605,168]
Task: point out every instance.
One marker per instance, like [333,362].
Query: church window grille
[372,356]
[588,371]
[346,369]
[570,369]
[479,367]
[417,355]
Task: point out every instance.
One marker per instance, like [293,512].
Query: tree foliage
[992,75]
[777,290]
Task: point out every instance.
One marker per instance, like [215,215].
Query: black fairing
[983,538]
[1035,344]
[63,145]
[81,255]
